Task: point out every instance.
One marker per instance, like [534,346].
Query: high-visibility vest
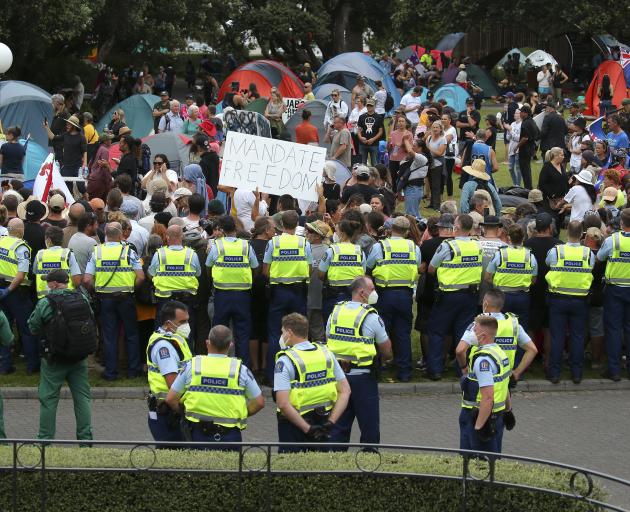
[289,264]
[157,383]
[175,272]
[618,265]
[344,339]
[314,385]
[346,264]
[8,258]
[573,272]
[46,261]
[471,396]
[232,270]
[399,266]
[114,272]
[214,394]
[514,273]
[464,269]
[507,336]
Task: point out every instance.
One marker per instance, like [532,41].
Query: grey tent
[317,109]
[25,105]
[483,79]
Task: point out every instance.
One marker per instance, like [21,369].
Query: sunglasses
[335,95]
[157,163]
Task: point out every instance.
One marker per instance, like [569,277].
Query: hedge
[113,491]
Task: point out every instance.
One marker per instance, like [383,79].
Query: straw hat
[74,121]
[36,212]
[477,170]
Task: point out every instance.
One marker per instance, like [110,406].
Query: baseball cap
[319,227]
[401,223]
[447,220]
[181,192]
[543,221]
[470,100]
[365,208]
[57,203]
[509,94]
[363,170]
[370,102]
[610,194]
[164,93]
[58,276]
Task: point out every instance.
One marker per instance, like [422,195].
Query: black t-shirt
[12,157]
[74,145]
[331,190]
[209,163]
[429,248]
[529,130]
[540,245]
[58,127]
[370,124]
[35,237]
[128,165]
[360,188]
[159,106]
[463,117]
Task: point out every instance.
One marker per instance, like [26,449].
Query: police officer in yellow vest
[395,263]
[231,261]
[218,393]
[512,270]
[569,281]
[287,263]
[355,333]
[174,271]
[485,395]
[310,388]
[15,295]
[458,264]
[342,263]
[615,251]
[167,351]
[114,271]
[54,257]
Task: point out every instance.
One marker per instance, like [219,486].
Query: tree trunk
[340,22]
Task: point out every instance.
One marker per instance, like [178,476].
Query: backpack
[389,103]
[70,335]
[146,158]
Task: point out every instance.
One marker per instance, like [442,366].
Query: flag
[596,129]
[49,178]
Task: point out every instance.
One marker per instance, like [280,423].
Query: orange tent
[618,81]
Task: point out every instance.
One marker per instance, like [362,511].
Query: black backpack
[70,335]
[389,103]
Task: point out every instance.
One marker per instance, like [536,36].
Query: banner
[292,105]
[49,178]
[273,166]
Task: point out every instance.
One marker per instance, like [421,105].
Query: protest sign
[292,105]
[274,166]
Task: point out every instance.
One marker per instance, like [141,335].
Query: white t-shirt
[243,203]
[462,77]
[380,97]
[410,101]
[452,146]
[543,78]
[515,135]
[353,118]
[576,140]
[580,202]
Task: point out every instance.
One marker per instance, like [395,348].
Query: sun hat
[535,196]
[74,121]
[32,209]
[585,176]
[319,227]
[477,170]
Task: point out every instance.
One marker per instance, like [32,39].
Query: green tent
[482,78]
[258,105]
[138,114]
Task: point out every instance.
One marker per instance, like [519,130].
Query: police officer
[232,260]
[6,340]
[485,395]
[167,351]
[569,280]
[174,271]
[310,388]
[354,331]
[15,295]
[510,336]
[52,258]
[395,263]
[287,264]
[458,263]
[70,364]
[342,262]
[512,270]
[616,252]
[113,271]
[219,393]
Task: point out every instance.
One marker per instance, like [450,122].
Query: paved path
[588,429]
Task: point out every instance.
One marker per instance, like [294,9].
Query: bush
[398,489]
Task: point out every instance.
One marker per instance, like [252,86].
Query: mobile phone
[486,212]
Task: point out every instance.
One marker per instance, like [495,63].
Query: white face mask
[282,343]
[183,330]
[373,297]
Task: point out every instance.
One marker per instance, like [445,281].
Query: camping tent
[344,68]
[25,105]
[539,58]
[482,78]
[35,156]
[454,94]
[259,105]
[449,42]
[265,74]
[318,110]
[618,81]
[138,114]
[174,145]
[323,92]
[521,57]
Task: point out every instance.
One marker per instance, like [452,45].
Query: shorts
[544,90]
[596,321]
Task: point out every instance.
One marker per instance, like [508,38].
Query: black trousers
[525,164]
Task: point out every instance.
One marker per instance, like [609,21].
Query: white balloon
[6,58]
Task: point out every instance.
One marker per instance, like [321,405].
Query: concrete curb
[411,388]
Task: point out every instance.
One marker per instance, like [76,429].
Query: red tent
[618,81]
[265,74]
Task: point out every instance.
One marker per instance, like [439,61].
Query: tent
[521,57]
[482,79]
[258,105]
[618,81]
[412,52]
[454,95]
[344,68]
[138,110]
[174,145]
[318,110]
[539,58]
[450,73]
[25,105]
[265,74]
[323,92]
[35,156]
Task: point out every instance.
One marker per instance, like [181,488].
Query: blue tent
[138,114]
[35,156]
[454,95]
[25,105]
[322,92]
[344,68]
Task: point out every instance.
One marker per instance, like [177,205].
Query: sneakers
[421,364]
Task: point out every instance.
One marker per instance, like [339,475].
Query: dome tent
[138,110]
[265,74]
[618,81]
[25,105]
[323,92]
[455,96]
[317,108]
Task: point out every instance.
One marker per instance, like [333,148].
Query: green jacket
[43,312]
[6,334]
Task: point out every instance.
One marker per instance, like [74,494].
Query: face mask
[373,297]
[183,330]
[282,343]
[336,238]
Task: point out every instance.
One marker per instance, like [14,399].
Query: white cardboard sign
[273,166]
[292,105]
